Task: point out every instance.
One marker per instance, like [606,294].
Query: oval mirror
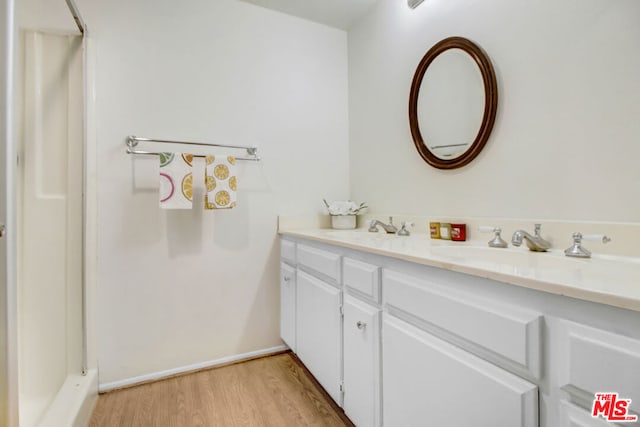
[452,103]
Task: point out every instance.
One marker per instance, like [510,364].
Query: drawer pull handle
[361,325]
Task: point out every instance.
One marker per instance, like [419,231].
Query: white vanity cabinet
[397,343]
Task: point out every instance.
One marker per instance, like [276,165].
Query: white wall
[177,288]
[566,142]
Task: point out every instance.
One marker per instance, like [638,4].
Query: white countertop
[602,279]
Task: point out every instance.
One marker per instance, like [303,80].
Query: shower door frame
[8,251]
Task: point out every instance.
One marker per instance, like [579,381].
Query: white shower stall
[55,384]
[50,211]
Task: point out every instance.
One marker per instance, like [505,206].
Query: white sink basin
[521,261]
[511,256]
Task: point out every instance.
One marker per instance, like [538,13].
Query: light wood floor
[272,391]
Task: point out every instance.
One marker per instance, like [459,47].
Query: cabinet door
[319,331]
[288,305]
[430,382]
[361,362]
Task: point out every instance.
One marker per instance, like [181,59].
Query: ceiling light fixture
[414,3]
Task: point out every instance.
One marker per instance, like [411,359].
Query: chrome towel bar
[132,142]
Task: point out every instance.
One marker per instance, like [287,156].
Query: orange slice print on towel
[210,158]
[231,160]
[221,171]
[222,198]
[210,182]
[232,183]
[188,158]
[187,186]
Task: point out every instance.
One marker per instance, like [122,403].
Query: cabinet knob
[287,279]
[361,325]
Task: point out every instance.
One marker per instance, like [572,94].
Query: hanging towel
[220,180]
[176,181]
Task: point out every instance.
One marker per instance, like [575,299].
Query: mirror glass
[453,103]
[450,104]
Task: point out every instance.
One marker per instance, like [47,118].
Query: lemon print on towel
[221,171]
[210,183]
[222,198]
[187,186]
[220,182]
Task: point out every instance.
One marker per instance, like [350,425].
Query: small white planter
[343,222]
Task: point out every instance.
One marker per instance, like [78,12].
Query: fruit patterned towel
[176,181]
[220,180]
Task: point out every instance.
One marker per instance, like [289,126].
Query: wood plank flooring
[273,391]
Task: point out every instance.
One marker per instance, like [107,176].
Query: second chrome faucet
[535,243]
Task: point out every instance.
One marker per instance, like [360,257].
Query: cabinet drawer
[288,251]
[362,277]
[320,261]
[596,361]
[512,333]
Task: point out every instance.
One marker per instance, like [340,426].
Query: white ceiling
[335,13]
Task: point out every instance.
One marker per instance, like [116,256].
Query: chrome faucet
[389,228]
[535,243]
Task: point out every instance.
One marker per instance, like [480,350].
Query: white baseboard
[155,376]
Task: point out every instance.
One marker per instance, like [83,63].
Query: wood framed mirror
[452,103]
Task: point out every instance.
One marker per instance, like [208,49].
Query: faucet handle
[595,238]
[497,241]
[403,231]
[576,250]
